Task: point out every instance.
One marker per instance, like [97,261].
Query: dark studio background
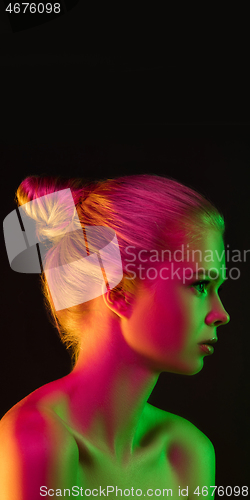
[214,159]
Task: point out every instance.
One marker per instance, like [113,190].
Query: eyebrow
[211,274]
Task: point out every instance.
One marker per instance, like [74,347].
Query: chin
[193,372]
[196,369]
[185,370]
[180,368]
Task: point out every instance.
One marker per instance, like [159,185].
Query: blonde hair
[145,211]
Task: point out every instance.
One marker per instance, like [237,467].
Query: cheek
[162,323]
[174,320]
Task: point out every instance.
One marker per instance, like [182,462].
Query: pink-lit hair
[145,211]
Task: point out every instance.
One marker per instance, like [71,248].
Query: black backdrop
[214,159]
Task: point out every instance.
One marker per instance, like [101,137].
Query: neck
[109,388]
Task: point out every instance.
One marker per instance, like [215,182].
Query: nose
[218,315]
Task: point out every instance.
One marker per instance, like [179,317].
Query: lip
[210,341]
[206,346]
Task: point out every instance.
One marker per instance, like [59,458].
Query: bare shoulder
[35,415]
[28,423]
[180,427]
[199,458]
[34,443]
[35,407]
[190,452]
[188,432]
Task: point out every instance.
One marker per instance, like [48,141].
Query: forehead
[210,248]
[205,256]
[207,253]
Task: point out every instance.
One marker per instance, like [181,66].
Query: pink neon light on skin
[126,347]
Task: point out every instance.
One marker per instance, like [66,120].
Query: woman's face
[171,319]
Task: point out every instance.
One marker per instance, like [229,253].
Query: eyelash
[204,282]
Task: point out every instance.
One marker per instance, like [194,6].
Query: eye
[200,286]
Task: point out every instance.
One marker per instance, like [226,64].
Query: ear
[119,303]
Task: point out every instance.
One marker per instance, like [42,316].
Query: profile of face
[182,309]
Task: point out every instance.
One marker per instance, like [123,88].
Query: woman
[93,432]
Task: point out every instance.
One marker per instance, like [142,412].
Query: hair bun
[53,214]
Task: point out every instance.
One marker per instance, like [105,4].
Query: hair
[145,211]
